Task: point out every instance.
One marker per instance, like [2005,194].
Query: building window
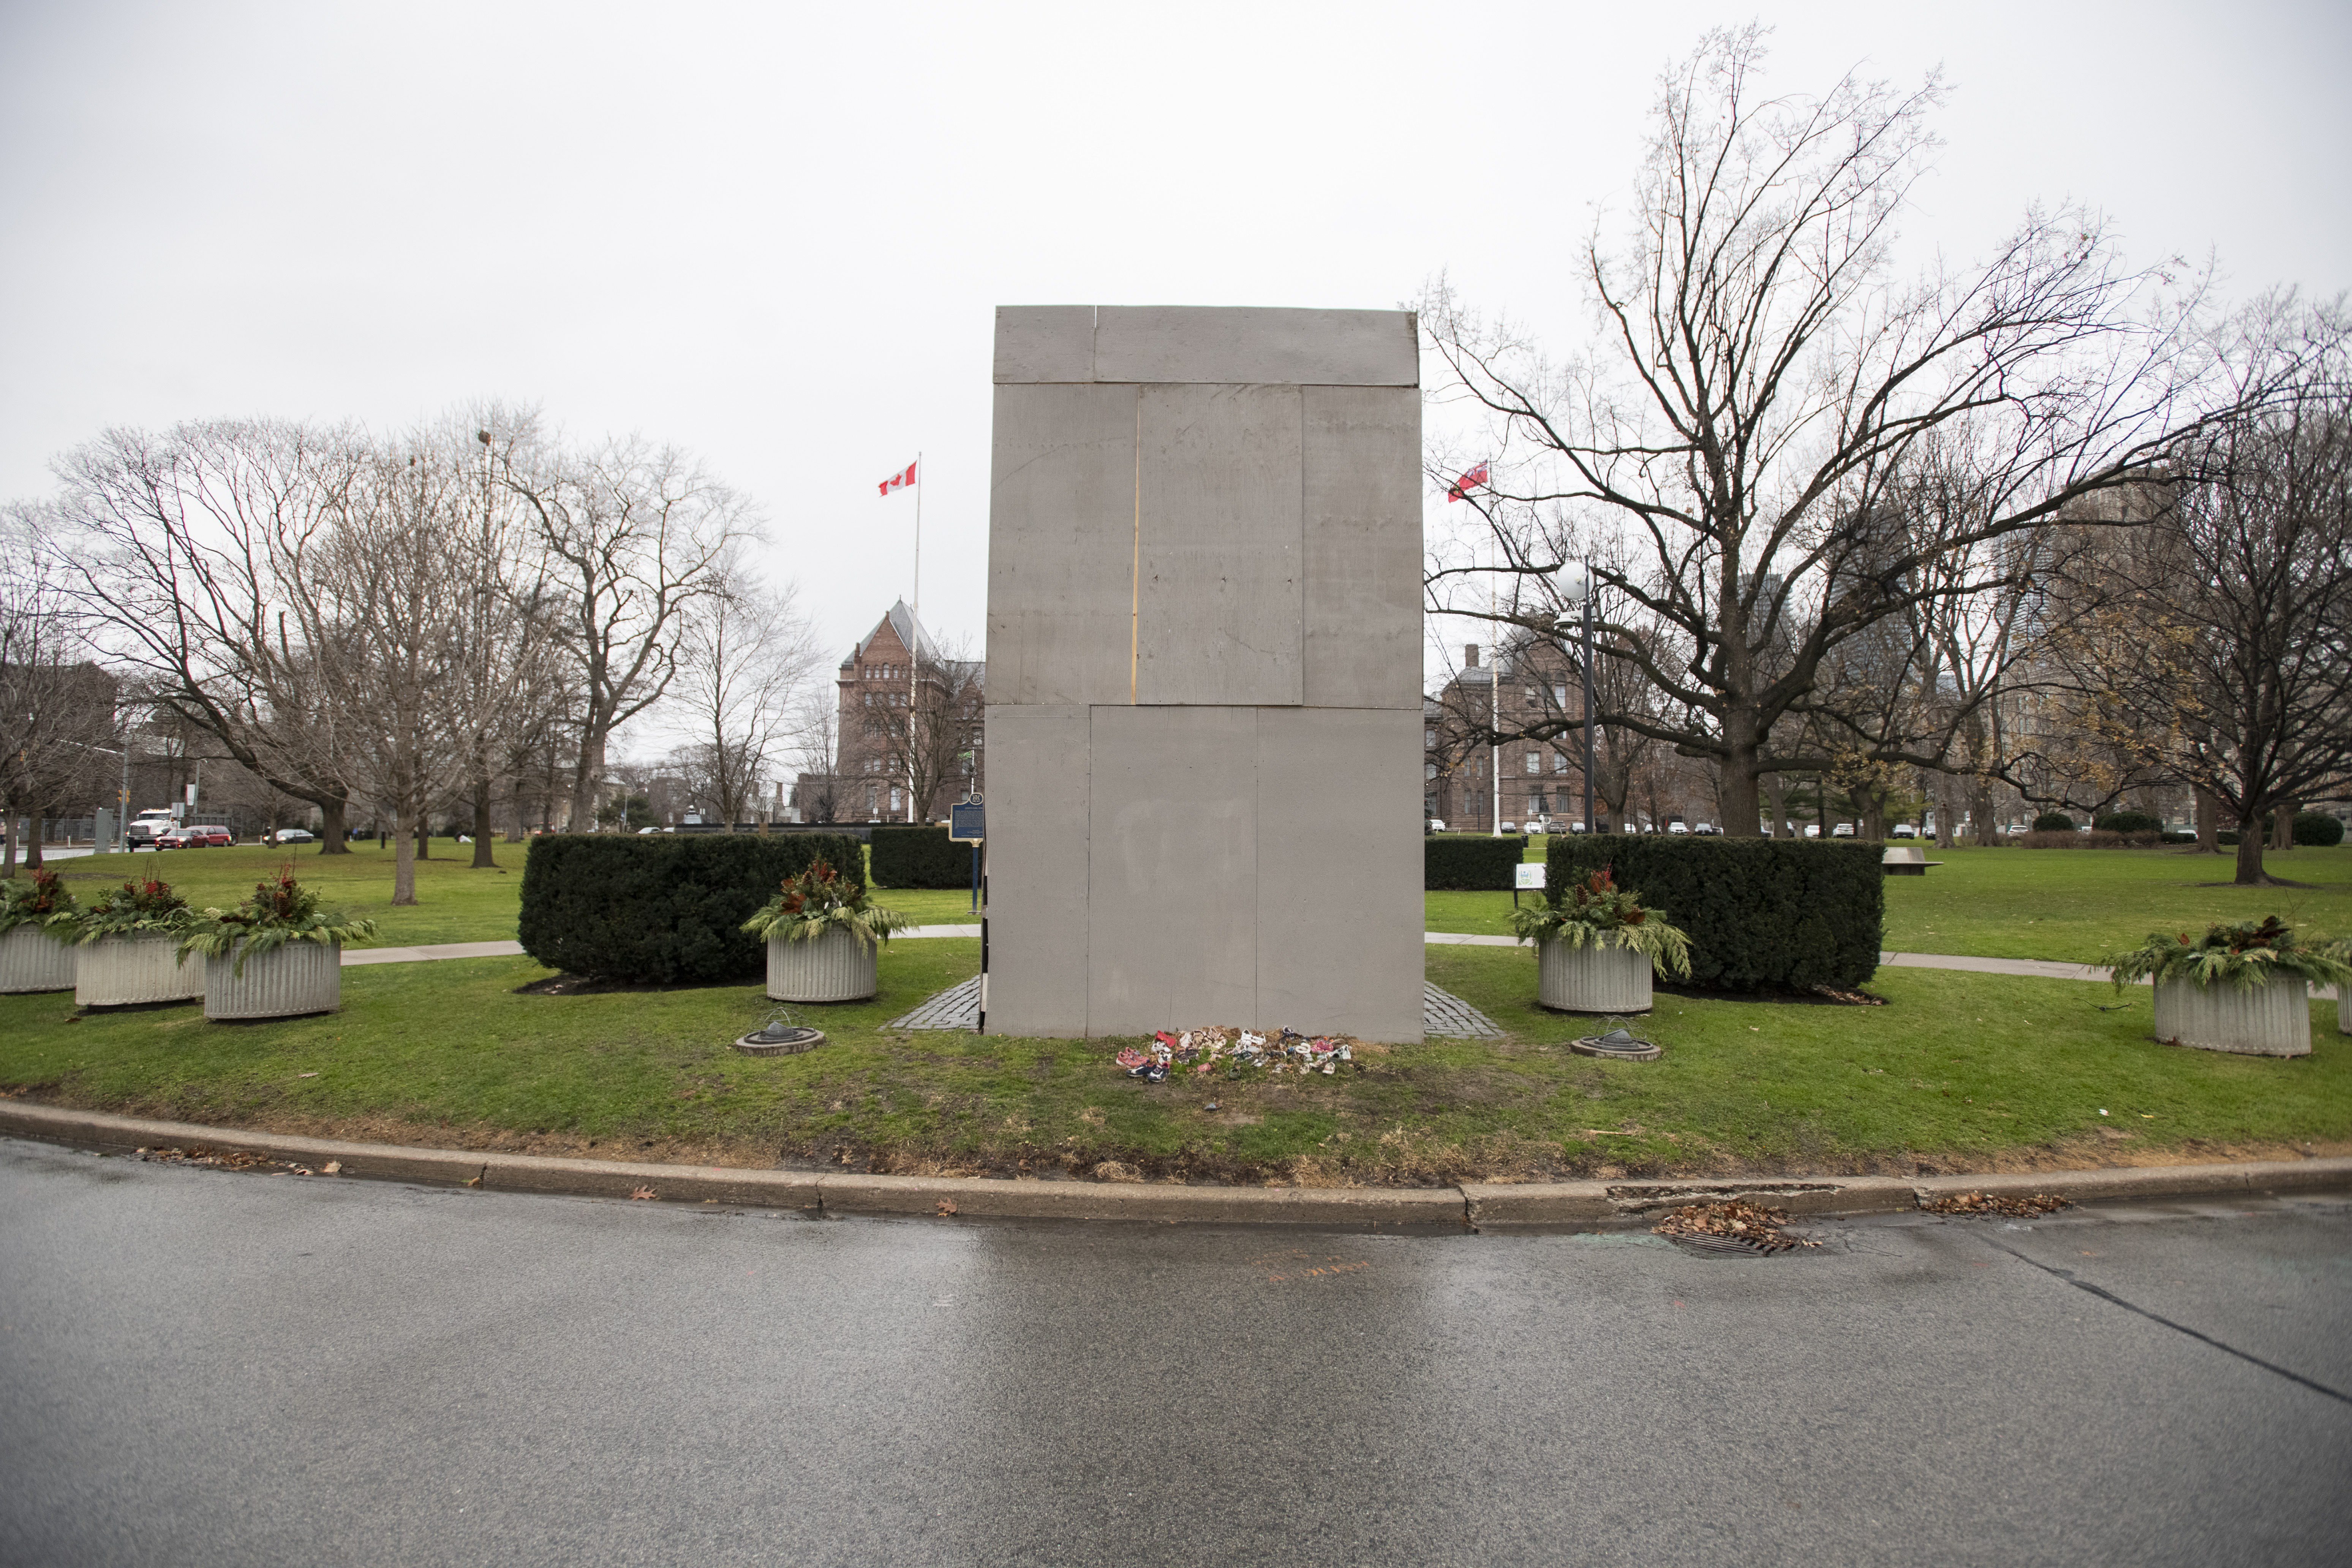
[1429,770]
[1535,803]
[1533,700]
[1558,762]
[1534,763]
[1559,698]
[869,800]
[894,799]
[1429,736]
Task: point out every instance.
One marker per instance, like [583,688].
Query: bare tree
[636,535]
[747,653]
[57,706]
[2228,665]
[816,753]
[180,550]
[1730,455]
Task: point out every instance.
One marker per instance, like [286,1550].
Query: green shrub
[1470,862]
[919,857]
[663,909]
[2053,822]
[2127,821]
[2317,830]
[1762,914]
[2226,839]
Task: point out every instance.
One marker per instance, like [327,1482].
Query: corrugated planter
[125,971]
[30,960]
[1591,979]
[2271,1019]
[284,983]
[835,967]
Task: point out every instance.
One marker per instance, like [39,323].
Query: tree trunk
[1779,797]
[334,839]
[404,860]
[485,831]
[1980,823]
[2208,824]
[2250,851]
[8,850]
[33,836]
[1740,776]
[2283,826]
[424,840]
[587,779]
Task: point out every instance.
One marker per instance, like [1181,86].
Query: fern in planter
[2241,955]
[1597,912]
[280,910]
[821,899]
[136,908]
[35,902]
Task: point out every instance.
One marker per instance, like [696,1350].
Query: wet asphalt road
[197,1366]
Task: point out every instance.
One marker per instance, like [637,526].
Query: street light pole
[1587,662]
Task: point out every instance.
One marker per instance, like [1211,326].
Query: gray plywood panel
[1171,891]
[1220,610]
[1177,343]
[1038,854]
[1061,558]
[1045,342]
[1361,598]
[1339,915]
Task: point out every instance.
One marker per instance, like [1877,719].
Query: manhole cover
[779,1042]
[1618,1046]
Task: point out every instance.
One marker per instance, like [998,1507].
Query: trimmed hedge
[1762,914]
[2053,822]
[919,857]
[2316,830]
[662,909]
[2127,821]
[1470,862]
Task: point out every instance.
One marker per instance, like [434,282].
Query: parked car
[1842,830]
[1708,828]
[1903,830]
[296,835]
[1507,827]
[1677,827]
[1437,825]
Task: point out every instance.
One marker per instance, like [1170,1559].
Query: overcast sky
[775,234]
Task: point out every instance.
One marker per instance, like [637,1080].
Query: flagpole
[915,635]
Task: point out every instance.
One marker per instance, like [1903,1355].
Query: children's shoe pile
[1236,1053]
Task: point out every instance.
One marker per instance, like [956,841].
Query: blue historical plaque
[967,821]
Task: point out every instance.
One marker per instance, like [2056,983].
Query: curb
[1474,1206]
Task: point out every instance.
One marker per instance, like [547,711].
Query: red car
[199,838]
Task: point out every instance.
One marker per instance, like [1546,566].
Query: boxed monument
[1204,672]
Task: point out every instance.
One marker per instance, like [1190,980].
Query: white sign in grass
[1531,876]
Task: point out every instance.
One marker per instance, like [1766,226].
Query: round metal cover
[779,1042]
[1617,1046]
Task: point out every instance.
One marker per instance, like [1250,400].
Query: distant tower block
[1204,672]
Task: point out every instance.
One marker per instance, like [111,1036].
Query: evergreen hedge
[663,909]
[2053,822]
[1470,862]
[2127,821]
[2316,830]
[1762,914]
[919,857]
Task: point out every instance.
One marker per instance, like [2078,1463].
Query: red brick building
[877,767]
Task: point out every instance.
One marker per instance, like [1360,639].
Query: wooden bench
[1906,860]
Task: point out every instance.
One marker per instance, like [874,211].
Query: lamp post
[1581,595]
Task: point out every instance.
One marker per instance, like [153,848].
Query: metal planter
[30,960]
[2271,1019]
[284,983]
[127,971]
[835,967]
[1606,979]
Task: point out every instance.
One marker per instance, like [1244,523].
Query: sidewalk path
[2037,968]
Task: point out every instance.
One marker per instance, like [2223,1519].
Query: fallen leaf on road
[2023,1205]
[947,1207]
[641,1193]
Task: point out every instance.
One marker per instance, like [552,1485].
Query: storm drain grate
[1445,1016]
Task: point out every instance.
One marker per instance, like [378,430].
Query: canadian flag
[899,481]
[1462,487]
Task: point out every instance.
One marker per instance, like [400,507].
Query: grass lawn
[2079,905]
[1958,1072]
[455,902]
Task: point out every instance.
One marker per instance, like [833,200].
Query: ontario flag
[900,481]
[1462,487]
